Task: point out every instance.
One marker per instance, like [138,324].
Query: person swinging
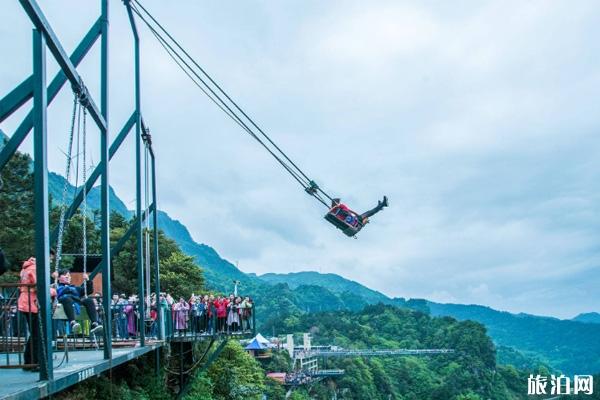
[349,221]
[73,297]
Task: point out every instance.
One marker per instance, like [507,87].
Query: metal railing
[369,352]
[175,323]
[16,350]
[178,321]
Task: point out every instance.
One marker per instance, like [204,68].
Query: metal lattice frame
[35,87]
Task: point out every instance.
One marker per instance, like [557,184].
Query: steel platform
[17,384]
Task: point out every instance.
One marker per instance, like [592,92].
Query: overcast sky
[478,119]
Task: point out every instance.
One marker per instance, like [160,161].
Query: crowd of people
[200,314]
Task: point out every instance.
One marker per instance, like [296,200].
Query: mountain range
[571,346]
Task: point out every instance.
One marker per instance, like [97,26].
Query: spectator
[181,315]
[221,304]
[246,308]
[211,313]
[27,304]
[233,314]
[70,296]
[130,311]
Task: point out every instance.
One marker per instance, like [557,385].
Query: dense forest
[521,339]
[471,373]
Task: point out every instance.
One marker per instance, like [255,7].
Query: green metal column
[104,186]
[138,175]
[156,255]
[42,224]
[159,318]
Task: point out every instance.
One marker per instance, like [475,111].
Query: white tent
[261,339]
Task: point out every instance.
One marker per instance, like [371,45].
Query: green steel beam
[19,96]
[155,231]
[154,228]
[138,168]
[105,265]
[42,223]
[41,23]
[16,98]
[24,92]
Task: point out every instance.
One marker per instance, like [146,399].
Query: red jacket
[221,308]
[28,294]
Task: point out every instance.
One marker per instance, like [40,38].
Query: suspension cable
[309,186]
[223,106]
[219,88]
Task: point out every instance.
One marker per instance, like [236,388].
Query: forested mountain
[569,346]
[289,295]
[591,318]
[572,346]
[566,345]
[333,282]
[340,314]
[471,372]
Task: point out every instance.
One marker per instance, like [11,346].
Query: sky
[477,119]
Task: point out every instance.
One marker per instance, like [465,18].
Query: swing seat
[339,218]
[59,314]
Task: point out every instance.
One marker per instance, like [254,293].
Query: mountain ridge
[336,283]
[588,318]
[302,292]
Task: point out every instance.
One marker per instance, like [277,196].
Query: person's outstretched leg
[380,206]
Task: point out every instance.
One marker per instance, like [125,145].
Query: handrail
[16,284]
[15,350]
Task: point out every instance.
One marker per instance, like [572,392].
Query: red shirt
[221,308]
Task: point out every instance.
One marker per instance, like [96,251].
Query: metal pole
[42,224]
[104,191]
[181,366]
[253,319]
[156,255]
[138,176]
[157,361]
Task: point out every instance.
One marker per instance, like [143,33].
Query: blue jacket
[75,292]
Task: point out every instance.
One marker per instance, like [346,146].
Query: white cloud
[478,119]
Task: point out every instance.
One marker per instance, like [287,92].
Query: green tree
[274,390]
[236,375]
[201,388]
[16,211]
[357,382]
[180,275]
[299,395]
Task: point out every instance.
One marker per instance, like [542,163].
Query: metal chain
[84,208]
[63,207]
